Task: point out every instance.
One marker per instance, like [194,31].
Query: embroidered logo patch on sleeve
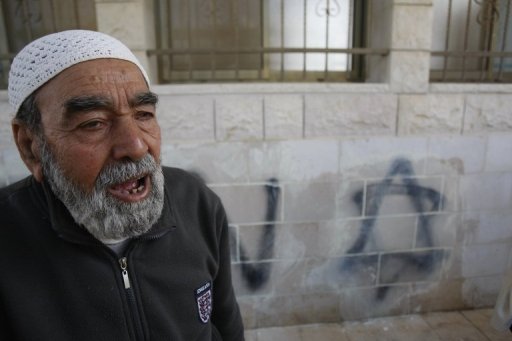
[204,302]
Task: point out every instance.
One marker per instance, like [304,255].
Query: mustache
[120,172]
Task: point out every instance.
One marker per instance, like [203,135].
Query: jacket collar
[64,225]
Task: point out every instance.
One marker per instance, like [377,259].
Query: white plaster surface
[123,20]
[499,153]
[430,114]
[294,160]
[186,118]
[487,113]
[372,157]
[486,192]
[485,260]
[348,115]
[283,116]
[463,154]
[409,71]
[409,24]
[215,162]
[239,118]
[487,227]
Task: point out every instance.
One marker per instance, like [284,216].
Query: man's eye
[144,115]
[91,125]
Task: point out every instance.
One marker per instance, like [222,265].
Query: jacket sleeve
[502,314]
[226,313]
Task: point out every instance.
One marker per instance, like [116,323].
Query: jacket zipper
[123,263]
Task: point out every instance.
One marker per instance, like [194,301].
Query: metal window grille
[265,40]
[22,21]
[472,41]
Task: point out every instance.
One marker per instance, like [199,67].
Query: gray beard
[105,217]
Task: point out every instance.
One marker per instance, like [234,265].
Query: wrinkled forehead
[109,81]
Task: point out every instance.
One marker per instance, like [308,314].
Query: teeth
[136,190]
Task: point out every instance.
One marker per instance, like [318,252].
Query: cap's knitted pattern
[46,57]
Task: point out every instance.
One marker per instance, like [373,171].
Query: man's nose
[128,141]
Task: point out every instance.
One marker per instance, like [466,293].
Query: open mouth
[131,190]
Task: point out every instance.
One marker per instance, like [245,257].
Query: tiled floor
[462,325]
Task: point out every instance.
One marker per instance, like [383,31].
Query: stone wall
[349,201]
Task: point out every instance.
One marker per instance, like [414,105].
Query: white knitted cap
[46,57]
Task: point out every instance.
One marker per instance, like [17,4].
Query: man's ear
[28,147]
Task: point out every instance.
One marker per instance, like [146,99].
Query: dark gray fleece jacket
[57,282]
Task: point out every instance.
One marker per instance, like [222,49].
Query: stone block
[309,202]
[186,118]
[239,118]
[4,179]
[439,230]
[350,114]
[284,241]
[299,160]
[245,203]
[451,201]
[288,277]
[283,116]
[356,236]
[242,283]
[452,269]
[430,114]
[486,191]
[334,274]
[437,296]
[215,162]
[296,241]
[335,237]
[6,115]
[247,306]
[378,156]
[414,266]
[481,292]
[485,259]
[403,196]
[297,309]
[365,303]
[488,112]
[413,2]
[408,29]
[15,169]
[234,242]
[487,227]
[409,71]
[123,20]
[499,149]
[456,154]
[348,199]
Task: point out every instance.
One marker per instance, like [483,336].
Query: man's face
[102,146]
[98,113]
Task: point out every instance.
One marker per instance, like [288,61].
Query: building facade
[347,200]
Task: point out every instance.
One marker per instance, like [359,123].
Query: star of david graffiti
[423,199]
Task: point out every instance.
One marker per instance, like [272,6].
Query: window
[472,41]
[22,21]
[265,40]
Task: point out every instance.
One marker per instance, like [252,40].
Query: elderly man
[101,242]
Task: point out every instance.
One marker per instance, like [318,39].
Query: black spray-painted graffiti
[257,274]
[423,200]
